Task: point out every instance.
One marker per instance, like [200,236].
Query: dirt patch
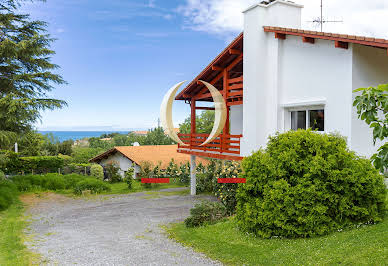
[32,199]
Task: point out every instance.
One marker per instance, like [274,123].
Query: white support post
[193,175]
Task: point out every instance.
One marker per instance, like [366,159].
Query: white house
[275,77]
[126,157]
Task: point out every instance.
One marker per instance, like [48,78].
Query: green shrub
[46,182]
[112,170]
[97,171]
[77,168]
[2,175]
[41,164]
[92,184]
[8,194]
[206,213]
[129,177]
[306,184]
[226,193]
[39,182]
[146,172]
[72,179]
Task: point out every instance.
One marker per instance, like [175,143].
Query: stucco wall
[123,162]
[315,75]
[260,95]
[370,68]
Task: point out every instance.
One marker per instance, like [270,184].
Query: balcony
[225,147]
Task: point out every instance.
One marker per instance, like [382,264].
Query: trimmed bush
[92,184]
[8,194]
[97,171]
[307,184]
[206,213]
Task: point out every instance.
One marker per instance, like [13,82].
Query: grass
[224,242]
[367,245]
[122,187]
[12,249]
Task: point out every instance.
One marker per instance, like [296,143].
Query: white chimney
[261,68]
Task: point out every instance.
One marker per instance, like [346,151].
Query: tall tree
[26,71]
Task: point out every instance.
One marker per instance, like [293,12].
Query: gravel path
[111,230]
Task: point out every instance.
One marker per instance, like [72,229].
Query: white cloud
[224,17]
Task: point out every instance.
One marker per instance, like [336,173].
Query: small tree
[97,171]
[129,177]
[372,107]
[146,172]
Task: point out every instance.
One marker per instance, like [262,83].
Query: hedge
[307,184]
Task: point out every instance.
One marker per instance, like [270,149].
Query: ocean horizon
[76,135]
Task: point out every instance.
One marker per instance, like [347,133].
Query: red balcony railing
[223,144]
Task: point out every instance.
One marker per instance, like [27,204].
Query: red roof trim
[380,43]
[209,67]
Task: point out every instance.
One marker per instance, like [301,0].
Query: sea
[75,135]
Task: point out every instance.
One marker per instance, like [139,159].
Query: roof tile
[153,153]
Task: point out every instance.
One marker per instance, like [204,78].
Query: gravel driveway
[111,230]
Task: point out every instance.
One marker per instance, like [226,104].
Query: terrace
[225,72]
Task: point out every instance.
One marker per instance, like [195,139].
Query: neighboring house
[133,156]
[276,77]
[140,132]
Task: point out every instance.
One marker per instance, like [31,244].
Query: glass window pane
[298,120]
[317,120]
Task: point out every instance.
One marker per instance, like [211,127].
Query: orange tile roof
[150,153]
[375,42]
[140,132]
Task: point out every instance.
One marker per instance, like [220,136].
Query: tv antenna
[321,19]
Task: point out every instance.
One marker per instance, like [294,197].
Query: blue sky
[121,56]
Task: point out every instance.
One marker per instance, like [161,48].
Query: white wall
[123,162]
[316,74]
[370,68]
[236,119]
[260,77]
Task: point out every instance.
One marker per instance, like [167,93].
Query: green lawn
[12,249]
[367,245]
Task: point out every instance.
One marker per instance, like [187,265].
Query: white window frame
[306,109]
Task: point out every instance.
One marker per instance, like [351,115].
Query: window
[314,119]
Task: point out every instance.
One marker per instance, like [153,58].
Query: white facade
[122,162]
[281,76]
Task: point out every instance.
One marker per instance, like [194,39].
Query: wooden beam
[343,45]
[234,80]
[338,37]
[192,119]
[280,36]
[225,94]
[234,51]
[308,40]
[205,108]
[217,68]
[220,75]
